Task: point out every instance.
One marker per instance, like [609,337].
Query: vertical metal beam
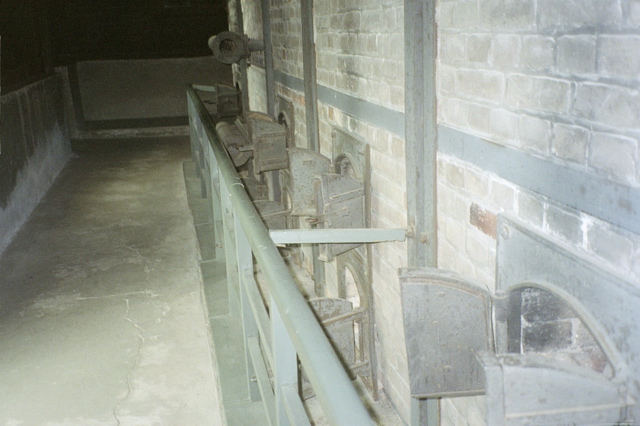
[421,150]
[420,129]
[309,71]
[311,112]
[268,59]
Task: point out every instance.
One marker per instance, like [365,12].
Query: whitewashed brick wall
[537,74]
[258,89]
[360,52]
[555,79]
[360,49]
[389,204]
[286,27]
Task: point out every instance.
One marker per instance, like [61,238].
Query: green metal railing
[288,331]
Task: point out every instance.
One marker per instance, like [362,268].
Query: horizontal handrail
[333,236]
[330,381]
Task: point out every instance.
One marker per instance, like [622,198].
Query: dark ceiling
[40,34]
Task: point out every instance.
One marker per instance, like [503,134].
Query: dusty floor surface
[101,312]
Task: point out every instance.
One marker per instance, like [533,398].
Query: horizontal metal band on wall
[595,195]
[378,115]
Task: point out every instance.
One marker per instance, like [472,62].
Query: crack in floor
[127,379]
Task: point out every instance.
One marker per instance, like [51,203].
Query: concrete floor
[102,318]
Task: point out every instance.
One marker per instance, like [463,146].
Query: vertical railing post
[193,137]
[244,259]
[216,201]
[285,359]
[229,245]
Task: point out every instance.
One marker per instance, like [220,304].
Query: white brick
[583,14]
[506,51]
[619,56]
[503,195]
[507,14]
[465,267]
[615,155]
[444,14]
[538,52]
[452,48]
[451,204]
[454,232]
[476,184]
[612,105]
[538,93]
[447,255]
[476,248]
[452,173]
[534,133]
[504,124]
[607,244]
[530,209]
[397,147]
[570,142]
[466,14]
[577,54]
[479,117]
[446,79]
[564,224]
[480,84]
[478,48]
[455,111]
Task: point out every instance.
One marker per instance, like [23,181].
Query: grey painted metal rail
[294,331]
[319,236]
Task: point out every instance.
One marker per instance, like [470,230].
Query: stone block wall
[35,148]
[286,27]
[360,49]
[559,81]
[556,79]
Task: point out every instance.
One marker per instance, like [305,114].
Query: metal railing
[275,338]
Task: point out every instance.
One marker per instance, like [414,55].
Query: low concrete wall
[146,93]
[35,148]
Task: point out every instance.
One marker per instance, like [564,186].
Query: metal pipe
[328,377]
[333,236]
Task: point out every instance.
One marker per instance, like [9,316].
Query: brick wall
[359,52]
[554,79]
[388,202]
[557,79]
[286,27]
[360,49]
[559,82]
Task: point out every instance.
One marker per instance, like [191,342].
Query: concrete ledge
[35,148]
